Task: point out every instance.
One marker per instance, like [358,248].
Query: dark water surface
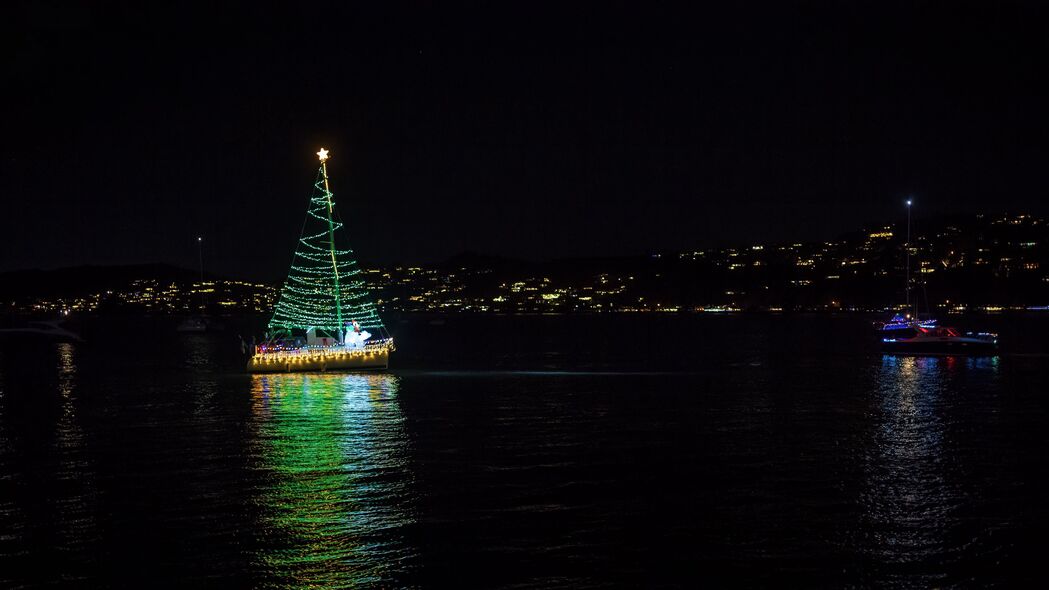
[528,451]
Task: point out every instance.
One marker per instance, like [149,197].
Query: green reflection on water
[337,488]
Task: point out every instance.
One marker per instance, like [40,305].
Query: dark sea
[528,451]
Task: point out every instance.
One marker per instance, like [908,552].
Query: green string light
[324,282]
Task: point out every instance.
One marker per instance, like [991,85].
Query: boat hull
[944,346]
[39,335]
[328,360]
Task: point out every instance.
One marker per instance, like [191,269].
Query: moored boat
[926,337]
[192,324]
[906,333]
[40,330]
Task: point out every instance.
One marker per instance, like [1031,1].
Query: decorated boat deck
[373,356]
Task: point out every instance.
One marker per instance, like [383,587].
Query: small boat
[908,334]
[903,336]
[41,330]
[192,324]
[325,318]
[198,324]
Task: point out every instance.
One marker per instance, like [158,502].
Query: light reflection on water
[173,467]
[198,352]
[337,482]
[73,471]
[914,489]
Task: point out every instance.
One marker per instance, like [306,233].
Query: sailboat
[325,319]
[197,323]
[907,333]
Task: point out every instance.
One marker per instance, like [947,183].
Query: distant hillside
[957,264]
[82,279]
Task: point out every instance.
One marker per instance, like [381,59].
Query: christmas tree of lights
[323,289]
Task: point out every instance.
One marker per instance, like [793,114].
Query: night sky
[538,131]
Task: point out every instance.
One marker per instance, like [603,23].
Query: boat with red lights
[903,336]
[906,333]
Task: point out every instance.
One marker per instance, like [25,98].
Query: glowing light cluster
[323,289]
[320,359]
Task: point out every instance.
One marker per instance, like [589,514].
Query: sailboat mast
[200,255]
[907,247]
[323,155]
